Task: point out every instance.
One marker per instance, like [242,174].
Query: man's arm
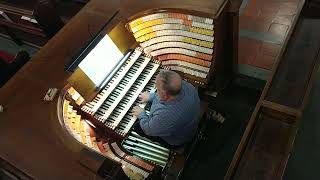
[147,97]
[159,124]
[152,96]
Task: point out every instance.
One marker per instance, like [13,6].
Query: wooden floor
[263,28]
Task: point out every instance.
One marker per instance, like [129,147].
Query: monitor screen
[101,60]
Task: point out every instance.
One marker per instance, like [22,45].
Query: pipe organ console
[90,128]
[110,111]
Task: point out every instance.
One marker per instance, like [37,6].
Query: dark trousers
[138,129]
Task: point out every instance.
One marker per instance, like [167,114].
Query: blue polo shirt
[174,121]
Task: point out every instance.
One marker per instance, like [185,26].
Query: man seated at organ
[173,117]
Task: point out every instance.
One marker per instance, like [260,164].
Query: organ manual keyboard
[110,114]
[85,130]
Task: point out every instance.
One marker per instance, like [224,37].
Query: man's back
[177,119]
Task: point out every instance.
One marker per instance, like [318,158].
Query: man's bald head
[170,82]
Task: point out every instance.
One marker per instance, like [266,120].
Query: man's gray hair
[171,82]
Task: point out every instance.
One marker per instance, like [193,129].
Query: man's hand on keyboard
[137,110]
[144,97]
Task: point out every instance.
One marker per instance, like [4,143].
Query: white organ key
[126,88]
[132,120]
[135,96]
[107,91]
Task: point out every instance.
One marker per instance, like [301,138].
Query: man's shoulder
[188,87]
[186,84]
